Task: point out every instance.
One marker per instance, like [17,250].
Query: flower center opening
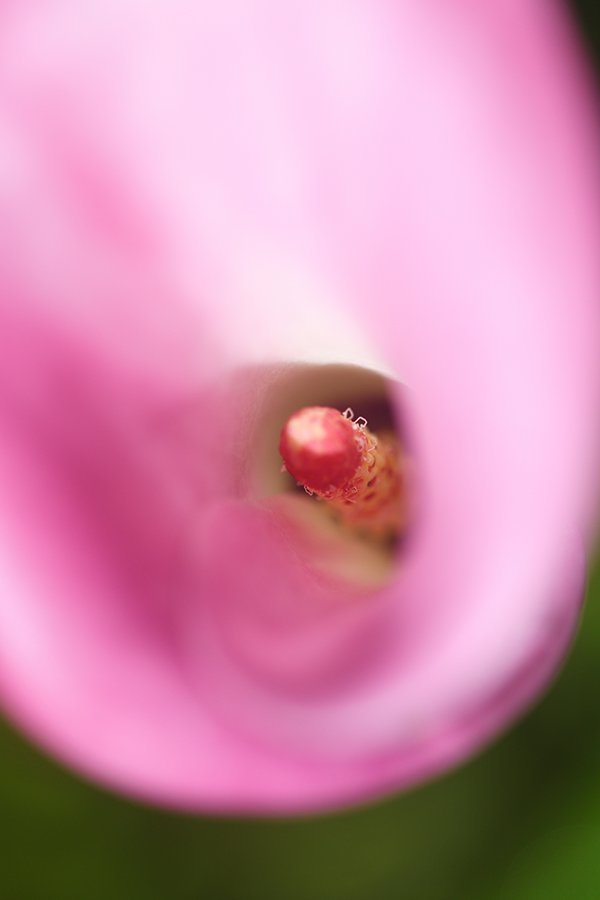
[332,461]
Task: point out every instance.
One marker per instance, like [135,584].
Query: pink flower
[196,199]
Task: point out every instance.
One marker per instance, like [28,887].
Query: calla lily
[210,211]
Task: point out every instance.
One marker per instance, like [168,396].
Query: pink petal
[190,189]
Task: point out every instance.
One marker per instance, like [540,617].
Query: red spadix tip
[319,448]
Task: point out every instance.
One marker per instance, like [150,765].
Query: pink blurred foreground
[191,193]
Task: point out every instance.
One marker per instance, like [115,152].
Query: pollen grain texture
[358,474]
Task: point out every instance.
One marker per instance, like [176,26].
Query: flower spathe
[192,192]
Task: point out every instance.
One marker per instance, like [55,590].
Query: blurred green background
[522,821]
